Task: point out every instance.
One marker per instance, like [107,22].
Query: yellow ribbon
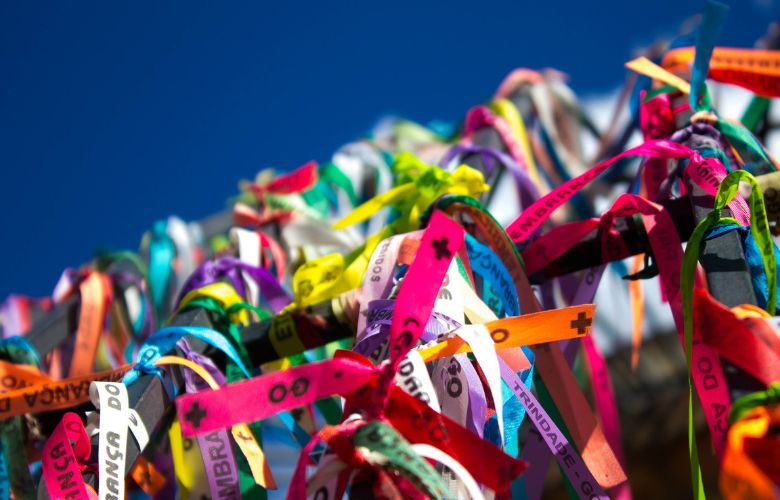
[750,311]
[187,464]
[508,111]
[331,275]
[419,185]
[222,293]
[255,457]
[645,66]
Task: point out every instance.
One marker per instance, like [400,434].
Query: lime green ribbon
[760,229]
[409,136]
[219,244]
[418,186]
[743,405]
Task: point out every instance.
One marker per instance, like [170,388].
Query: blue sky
[114,115]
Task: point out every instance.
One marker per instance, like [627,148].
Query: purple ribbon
[526,190]
[537,451]
[215,447]
[378,331]
[697,135]
[212,271]
[551,436]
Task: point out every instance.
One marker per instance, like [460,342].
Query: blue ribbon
[753,258]
[486,264]
[165,340]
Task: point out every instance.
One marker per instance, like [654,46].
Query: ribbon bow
[297,181]
[419,186]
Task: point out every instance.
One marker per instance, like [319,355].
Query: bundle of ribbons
[415,317]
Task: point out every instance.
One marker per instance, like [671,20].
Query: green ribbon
[380,438]
[755,112]
[760,229]
[222,323]
[332,174]
[769,397]
[748,147]
[104,259]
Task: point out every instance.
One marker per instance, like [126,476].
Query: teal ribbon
[161,255]
[707,36]
[164,342]
[5,483]
[486,264]
[14,472]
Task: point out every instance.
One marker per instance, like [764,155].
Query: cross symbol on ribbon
[441,247]
[582,323]
[195,415]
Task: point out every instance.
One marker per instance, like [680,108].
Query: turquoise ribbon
[161,255]
[486,264]
[164,342]
[14,473]
[707,36]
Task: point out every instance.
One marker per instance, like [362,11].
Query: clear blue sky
[115,114]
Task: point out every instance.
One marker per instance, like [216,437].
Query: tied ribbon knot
[299,180]
[164,342]
[231,268]
[433,181]
[744,405]
[419,185]
[247,216]
[369,390]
